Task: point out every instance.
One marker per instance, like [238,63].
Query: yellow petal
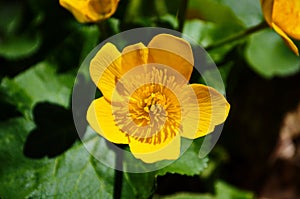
[77,8]
[287,40]
[172,51]
[286,15]
[101,9]
[134,55]
[213,110]
[149,153]
[100,118]
[267,7]
[86,11]
[105,69]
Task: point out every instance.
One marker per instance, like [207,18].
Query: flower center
[148,105]
[156,112]
[150,113]
[155,105]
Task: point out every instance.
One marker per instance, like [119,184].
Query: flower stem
[238,36]
[104,29]
[118,178]
[181,14]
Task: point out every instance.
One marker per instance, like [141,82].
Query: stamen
[151,114]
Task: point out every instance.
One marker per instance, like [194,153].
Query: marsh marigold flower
[86,11]
[147,101]
[284,17]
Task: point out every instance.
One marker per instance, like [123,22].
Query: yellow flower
[86,11]
[284,17]
[147,101]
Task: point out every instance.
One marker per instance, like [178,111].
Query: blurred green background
[41,156]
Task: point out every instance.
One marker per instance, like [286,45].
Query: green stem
[104,29]
[238,36]
[181,14]
[118,178]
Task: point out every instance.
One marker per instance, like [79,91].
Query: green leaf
[187,196]
[90,36]
[217,158]
[42,83]
[214,11]
[226,191]
[201,31]
[39,83]
[140,8]
[213,21]
[210,76]
[151,13]
[11,93]
[20,46]
[74,174]
[189,163]
[222,189]
[142,184]
[169,19]
[208,33]
[172,6]
[10,17]
[135,185]
[248,11]
[18,174]
[269,56]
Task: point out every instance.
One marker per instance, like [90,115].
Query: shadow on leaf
[54,134]
[8,111]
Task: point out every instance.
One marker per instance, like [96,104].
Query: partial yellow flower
[284,17]
[147,101]
[87,11]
